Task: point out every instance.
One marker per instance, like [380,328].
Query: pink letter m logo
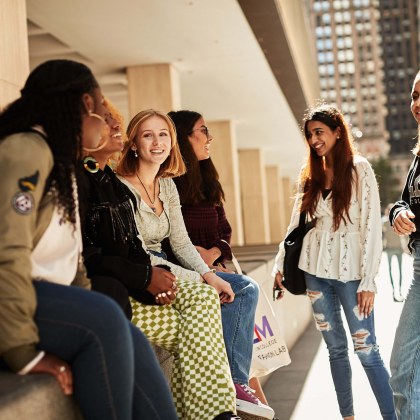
[263,330]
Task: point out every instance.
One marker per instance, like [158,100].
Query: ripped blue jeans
[327,297]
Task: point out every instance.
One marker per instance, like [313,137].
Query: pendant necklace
[148,196]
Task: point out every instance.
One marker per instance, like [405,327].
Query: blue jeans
[238,319]
[116,374]
[327,297]
[405,357]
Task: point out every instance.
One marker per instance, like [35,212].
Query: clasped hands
[163,286]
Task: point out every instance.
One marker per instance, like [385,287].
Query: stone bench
[39,396]
[34,397]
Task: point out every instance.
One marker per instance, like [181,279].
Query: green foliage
[389,190]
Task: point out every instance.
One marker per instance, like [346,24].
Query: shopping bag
[269,351]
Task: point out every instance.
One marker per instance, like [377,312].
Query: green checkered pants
[191,329]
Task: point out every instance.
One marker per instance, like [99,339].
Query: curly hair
[52,98]
[312,176]
[201,181]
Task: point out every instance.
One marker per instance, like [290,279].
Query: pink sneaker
[247,402]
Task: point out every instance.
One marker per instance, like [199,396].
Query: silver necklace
[148,196]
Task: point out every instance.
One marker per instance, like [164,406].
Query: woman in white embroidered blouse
[152,143]
[341,255]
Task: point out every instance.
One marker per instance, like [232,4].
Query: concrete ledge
[293,313]
[39,396]
[165,360]
[34,397]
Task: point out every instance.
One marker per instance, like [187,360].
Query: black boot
[227,415]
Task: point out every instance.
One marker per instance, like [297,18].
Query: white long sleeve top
[353,251]
[153,229]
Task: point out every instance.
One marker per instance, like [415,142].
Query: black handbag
[293,276]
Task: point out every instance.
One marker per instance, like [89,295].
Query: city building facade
[348,45]
[399,23]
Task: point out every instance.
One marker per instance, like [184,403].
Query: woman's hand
[209,255]
[223,288]
[365,301]
[278,285]
[58,368]
[163,285]
[402,223]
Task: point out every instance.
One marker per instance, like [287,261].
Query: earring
[98,117]
[135,153]
[90,164]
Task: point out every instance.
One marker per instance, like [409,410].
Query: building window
[328,44]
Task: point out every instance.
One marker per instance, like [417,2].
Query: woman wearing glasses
[152,143]
[201,196]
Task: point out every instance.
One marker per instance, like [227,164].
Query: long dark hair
[201,181]
[52,98]
[313,174]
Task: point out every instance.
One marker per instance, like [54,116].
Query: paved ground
[304,389]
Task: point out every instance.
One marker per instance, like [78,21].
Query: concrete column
[276,211]
[14,64]
[289,198]
[153,86]
[254,197]
[225,157]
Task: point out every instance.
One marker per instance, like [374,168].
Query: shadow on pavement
[285,385]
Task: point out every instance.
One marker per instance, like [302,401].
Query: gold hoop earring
[85,149]
[97,116]
[105,132]
[90,164]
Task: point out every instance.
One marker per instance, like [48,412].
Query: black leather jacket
[111,246]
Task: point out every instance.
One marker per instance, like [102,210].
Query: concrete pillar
[254,197]
[289,198]
[153,86]
[276,210]
[225,157]
[14,63]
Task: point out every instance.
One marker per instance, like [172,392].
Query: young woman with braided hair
[78,336]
